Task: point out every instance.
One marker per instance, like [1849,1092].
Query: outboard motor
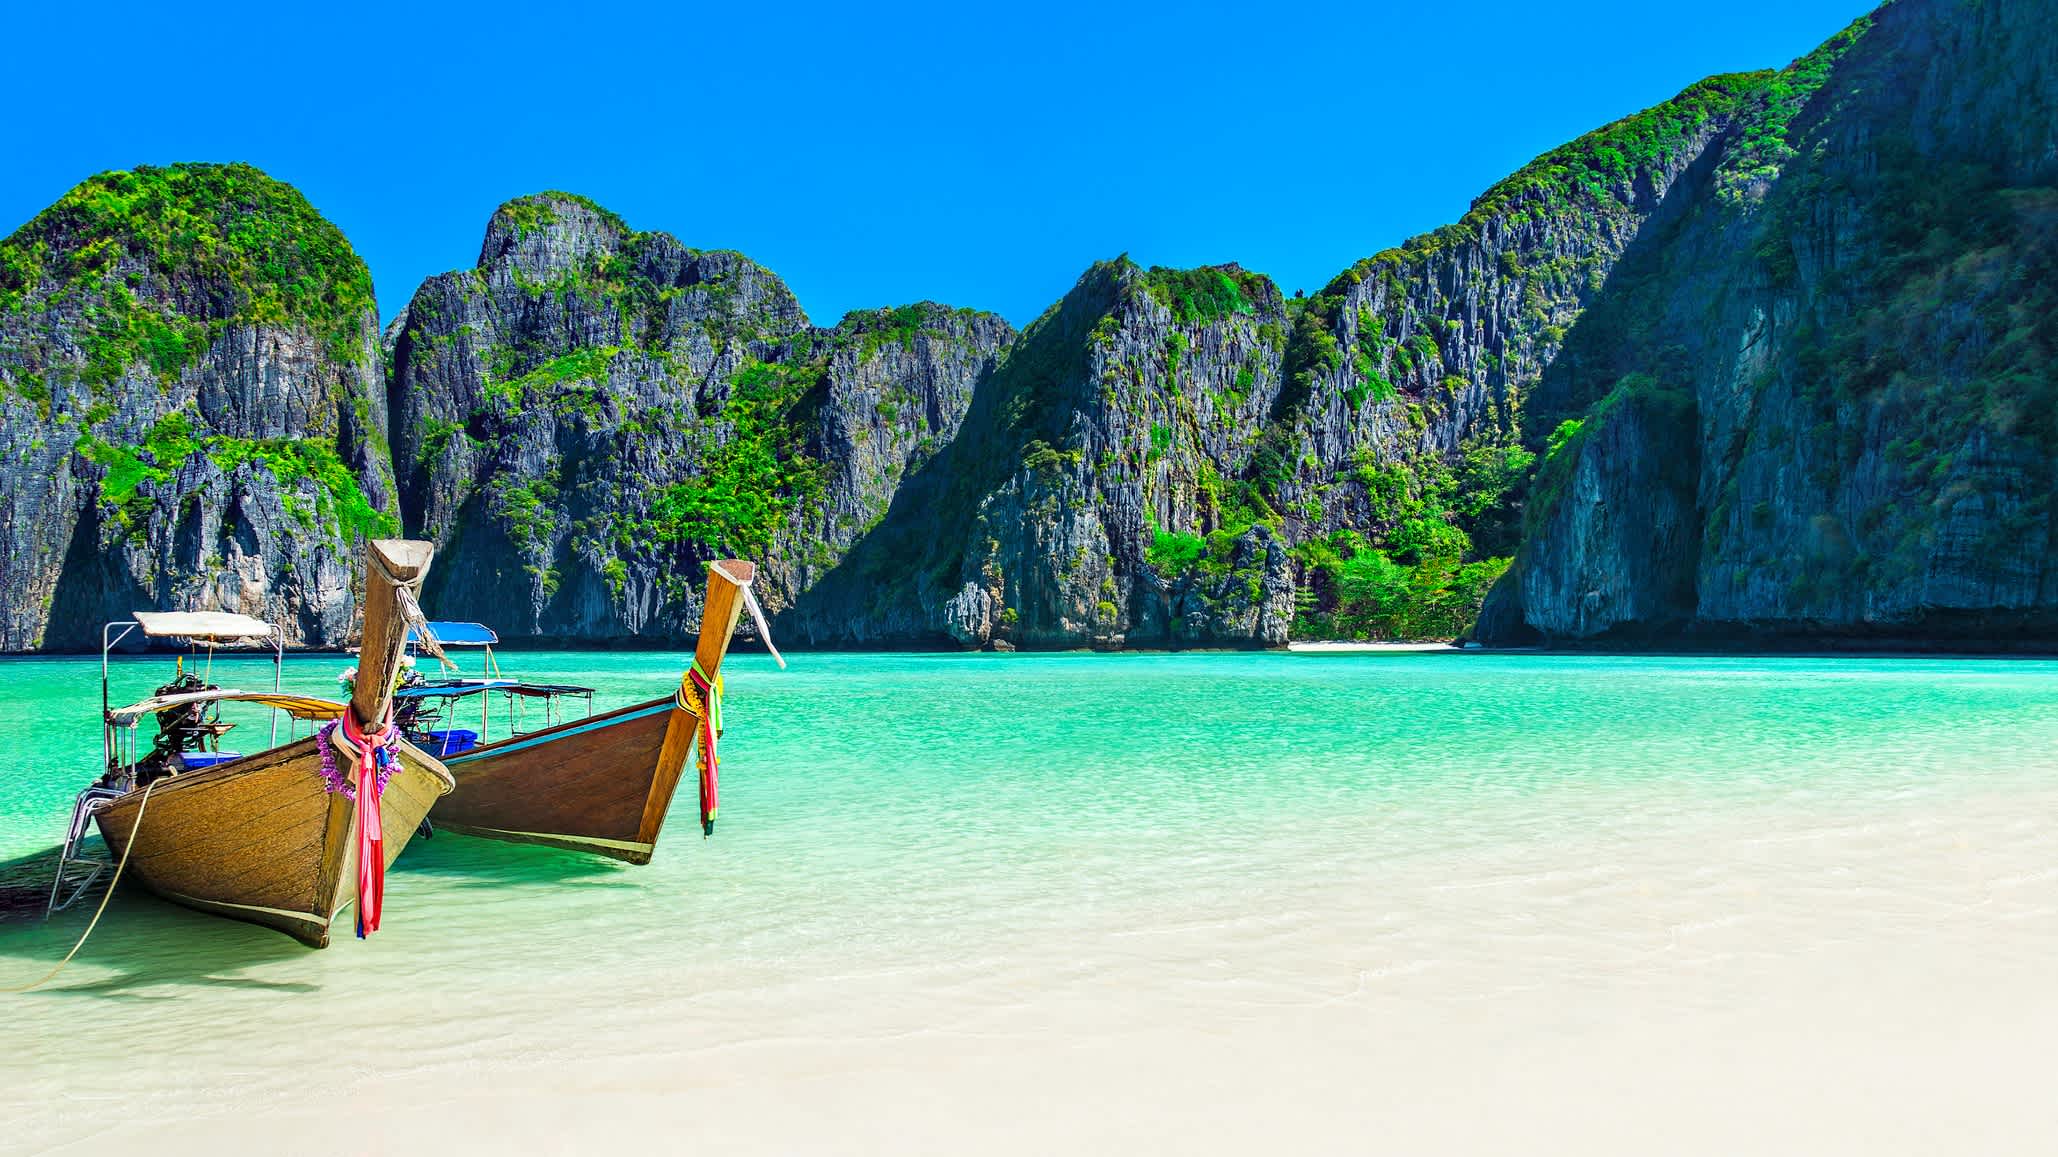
[178,730]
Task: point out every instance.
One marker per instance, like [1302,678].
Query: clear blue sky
[871,154]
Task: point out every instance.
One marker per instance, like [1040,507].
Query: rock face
[1126,407]
[592,413]
[1843,356]
[1772,359]
[1627,493]
[189,408]
[1185,458]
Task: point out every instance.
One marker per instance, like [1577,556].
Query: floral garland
[333,777]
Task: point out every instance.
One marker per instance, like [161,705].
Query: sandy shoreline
[1233,904]
[1859,983]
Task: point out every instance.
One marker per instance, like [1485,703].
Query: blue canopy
[459,688]
[458,634]
[454,688]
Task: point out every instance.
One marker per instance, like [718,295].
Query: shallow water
[1120,901]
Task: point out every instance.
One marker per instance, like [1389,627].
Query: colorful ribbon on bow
[373,752]
[708,705]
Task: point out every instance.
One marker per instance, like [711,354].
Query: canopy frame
[215,628]
[470,635]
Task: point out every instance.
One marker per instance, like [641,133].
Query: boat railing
[550,693]
[436,710]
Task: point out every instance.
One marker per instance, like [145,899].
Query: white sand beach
[1871,984]
[1525,904]
[1343,645]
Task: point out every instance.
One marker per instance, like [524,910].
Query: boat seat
[195,760]
[452,741]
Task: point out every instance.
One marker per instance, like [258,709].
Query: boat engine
[179,730]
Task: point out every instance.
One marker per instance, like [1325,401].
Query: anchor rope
[411,610]
[95,922]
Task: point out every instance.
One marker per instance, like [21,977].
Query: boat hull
[601,785]
[262,838]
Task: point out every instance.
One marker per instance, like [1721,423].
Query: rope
[95,922]
[411,610]
[701,694]
[757,615]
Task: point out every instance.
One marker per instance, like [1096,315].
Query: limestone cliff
[1186,458]
[1125,412]
[1821,407]
[591,413]
[190,412]
[1769,361]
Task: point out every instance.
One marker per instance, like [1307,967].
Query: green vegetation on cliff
[1198,296]
[1602,164]
[158,262]
[340,506]
[749,482]
[1596,170]
[1438,537]
[535,212]
[1761,147]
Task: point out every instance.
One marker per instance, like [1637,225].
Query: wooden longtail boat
[263,837]
[601,784]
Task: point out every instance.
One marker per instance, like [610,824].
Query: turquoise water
[1045,751]
[950,835]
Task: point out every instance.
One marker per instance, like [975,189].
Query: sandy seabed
[1780,981]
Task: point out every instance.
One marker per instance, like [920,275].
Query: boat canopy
[459,688]
[213,626]
[454,688]
[457,634]
[298,706]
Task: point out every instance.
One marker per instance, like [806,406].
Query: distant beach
[1346,645]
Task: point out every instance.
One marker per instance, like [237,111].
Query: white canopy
[219,626]
[298,706]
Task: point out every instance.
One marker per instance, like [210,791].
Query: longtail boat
[602,784]
[288,837]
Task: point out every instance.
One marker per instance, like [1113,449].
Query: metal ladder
[82,811]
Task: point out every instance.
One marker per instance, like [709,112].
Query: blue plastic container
[195,760]
[453,741]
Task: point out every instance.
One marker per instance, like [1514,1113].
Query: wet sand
[1855,984]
